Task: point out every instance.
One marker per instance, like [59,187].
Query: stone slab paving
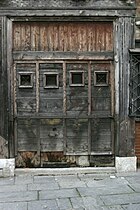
[103,191]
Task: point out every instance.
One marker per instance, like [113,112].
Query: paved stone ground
[102,191]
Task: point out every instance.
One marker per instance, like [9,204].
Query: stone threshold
[122,164]
[65,171]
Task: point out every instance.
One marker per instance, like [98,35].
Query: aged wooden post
[3,94]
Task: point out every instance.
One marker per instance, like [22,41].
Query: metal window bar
[134,106]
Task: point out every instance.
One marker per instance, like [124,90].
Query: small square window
[76,78]
[101,78]
[51,80]
[25,80]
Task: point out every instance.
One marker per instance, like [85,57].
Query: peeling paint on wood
[28,159]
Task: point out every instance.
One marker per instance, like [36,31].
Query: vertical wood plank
[61,37]
[70,37]
[109,37]
[37,87]
[16,36]
[89,88]
[27,37]
[51,37]
[33,38]
[9,87]
[56,37]
[80,38]
[98,37]
[64,89]
[90,32]
[37,32]
[43,38]
[66,36]
[35,43]
[126,147]
[102,37]
[14,89]
[89,106]
[22,37]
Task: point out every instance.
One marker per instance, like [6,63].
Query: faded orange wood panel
[64,36]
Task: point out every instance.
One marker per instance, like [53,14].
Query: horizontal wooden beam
[18,55]
[93,12]
[28,117]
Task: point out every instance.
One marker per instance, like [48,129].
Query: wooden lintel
[18,55]
[82,12]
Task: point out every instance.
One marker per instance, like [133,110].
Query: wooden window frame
[70,78]
[31,78]
[95,78]
[51,86]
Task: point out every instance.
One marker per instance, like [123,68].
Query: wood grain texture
[66,37]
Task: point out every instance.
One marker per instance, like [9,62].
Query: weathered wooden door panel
[51,88]
[62,107]
[51,135]
[77,89]
[27,135]
[102,86]
[77,136]
[25,86]
[64,90]
[101,136]
[101,99]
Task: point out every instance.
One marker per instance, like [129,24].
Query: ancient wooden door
[63,93]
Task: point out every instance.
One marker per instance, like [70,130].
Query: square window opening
[76,78]
[51,80]
[101,78]
[25,80]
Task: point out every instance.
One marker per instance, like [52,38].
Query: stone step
[66,171]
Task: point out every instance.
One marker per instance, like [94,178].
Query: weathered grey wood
[26,105]
[127,41]
[51,106]
[77,136]
[3,86]
[101,132]
[92,11]
[27,135]
[51,135]
[76,120]
[25,97]
[1,81]
[77,96]
[51,99]
[62,55]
